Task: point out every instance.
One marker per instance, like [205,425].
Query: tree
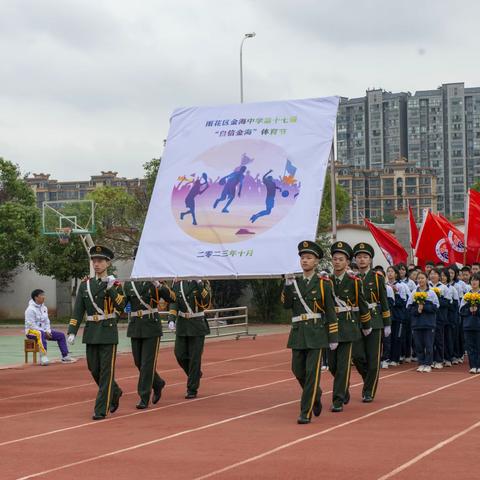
[151,171]
[266,299]
[19,221]
[226,293]
[342,201]
[62,262]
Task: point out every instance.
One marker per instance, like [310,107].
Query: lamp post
[247,35]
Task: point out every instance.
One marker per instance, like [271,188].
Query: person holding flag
[314,326]
[367,350]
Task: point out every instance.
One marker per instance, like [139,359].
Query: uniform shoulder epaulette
[323,276]
[353,276]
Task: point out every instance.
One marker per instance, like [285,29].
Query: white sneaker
[438,365]
[393,364]
[324,367]
[460,360]
[427,368]
[448,363]
[478,370]
[402,359]
[408,360]
[68,359]
[414,359]
[43,360]
[420,368]
[472,370]
[454,361]
[384,364]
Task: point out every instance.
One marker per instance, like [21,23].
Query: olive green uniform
[367,351]
[309,336]
[353,316]
[191,327]
[145,330]
[100,336]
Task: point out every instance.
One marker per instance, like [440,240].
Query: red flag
[413,228]
[455,237]
[433,244]
[472,227]
[389,245]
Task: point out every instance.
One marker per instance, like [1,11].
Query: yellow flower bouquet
[420,297]
[472,298]
[437,291]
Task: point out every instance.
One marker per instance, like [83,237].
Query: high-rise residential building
[370,129]
[376,193]
[437,129]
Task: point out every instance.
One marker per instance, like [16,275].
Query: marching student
[367,350]
[422,305]
[445,299]
[314,326]
[98,300]
[469,311]
[353,322]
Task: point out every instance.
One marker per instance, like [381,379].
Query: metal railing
[223,322]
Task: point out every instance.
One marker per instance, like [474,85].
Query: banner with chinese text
[238,187]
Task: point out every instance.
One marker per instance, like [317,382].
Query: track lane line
[191,430]
[429,451]
[328,430]
[273,352]
[90,400]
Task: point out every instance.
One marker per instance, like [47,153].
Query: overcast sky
[88,85]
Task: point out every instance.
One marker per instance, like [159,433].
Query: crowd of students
[435,316]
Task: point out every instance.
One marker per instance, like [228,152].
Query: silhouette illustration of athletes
[198,188]
[230,183]
[272,188]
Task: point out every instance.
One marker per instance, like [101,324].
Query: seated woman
[37,326]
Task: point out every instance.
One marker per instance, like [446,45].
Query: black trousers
[424,345]
[439,343]
[101,363]
[472,344]
[145,352]
[188,352]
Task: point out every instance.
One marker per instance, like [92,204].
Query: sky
[89,85]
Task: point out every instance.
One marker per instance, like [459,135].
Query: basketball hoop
[64,235]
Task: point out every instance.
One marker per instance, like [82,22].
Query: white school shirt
[431,295]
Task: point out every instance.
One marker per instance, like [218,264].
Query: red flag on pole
[472,227]
[433,244]
[455,238]
[389,245]
[413,228]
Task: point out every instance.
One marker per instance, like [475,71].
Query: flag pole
[333,193]
[465,228]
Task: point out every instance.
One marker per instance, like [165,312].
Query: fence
[223,322]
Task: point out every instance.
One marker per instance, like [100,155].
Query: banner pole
[333,193]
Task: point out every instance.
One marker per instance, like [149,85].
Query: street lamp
[247,35]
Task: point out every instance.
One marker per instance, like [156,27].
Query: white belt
[141,313]
[191,315]
[346,309]
[371,306]
[305,316]
[97,318]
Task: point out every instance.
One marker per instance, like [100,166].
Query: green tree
[119,219]
[476,186]
[151,170]
[342,201]
[266,295]
[19,221]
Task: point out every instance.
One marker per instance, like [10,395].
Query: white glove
[289,278]
[110,281]
[71,339]
[333,346]
[171,325]
[387,331]
[367,331]
[156,284]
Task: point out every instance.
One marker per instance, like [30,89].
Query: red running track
[242,425]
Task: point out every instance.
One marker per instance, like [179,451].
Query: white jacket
[36,317]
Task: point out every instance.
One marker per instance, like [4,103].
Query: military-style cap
[363,247]
[310,247]
[99,251]
[342,247]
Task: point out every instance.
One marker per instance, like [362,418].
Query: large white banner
[238,187]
